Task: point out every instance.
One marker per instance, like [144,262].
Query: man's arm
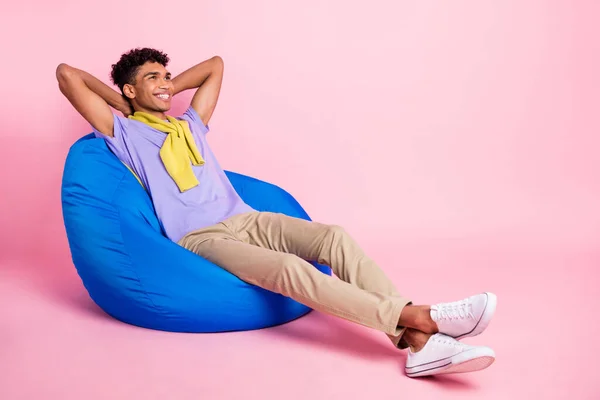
[207,77]
[91,98]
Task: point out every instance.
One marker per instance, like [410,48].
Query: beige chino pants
[271,250]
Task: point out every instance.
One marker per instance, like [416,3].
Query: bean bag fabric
[137,275]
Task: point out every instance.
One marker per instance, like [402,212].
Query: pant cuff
[397,331]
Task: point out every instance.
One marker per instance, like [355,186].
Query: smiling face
[152,91]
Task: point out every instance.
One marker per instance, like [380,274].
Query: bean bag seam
[127,249]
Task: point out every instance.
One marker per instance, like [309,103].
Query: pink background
[457,141]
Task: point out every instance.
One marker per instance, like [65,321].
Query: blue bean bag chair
[137,275]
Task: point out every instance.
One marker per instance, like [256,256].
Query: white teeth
[163,96]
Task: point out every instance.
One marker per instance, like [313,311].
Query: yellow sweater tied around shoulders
[179,152]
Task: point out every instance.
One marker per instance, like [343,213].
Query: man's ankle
[419,318]
[424,321]
[415,339]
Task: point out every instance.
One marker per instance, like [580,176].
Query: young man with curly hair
[200,210]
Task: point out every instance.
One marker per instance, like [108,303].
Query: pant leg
[326,244]
[294,277]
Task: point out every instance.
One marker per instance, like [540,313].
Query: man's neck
[156,114]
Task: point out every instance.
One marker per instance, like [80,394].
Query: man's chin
[162,107]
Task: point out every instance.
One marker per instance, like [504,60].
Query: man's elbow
[64,72]
[218,62]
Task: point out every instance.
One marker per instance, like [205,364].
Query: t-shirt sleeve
[119,143]
[192,116]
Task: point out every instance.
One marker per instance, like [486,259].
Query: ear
[129,91]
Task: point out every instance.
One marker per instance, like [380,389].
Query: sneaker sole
[468,361]
[486,317]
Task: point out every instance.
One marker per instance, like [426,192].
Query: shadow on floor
[59,283]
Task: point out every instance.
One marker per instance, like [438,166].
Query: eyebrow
[154,73]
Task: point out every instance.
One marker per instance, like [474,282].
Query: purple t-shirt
[213,200]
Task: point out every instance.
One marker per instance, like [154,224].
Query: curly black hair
[125,69]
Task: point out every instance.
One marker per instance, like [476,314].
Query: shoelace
[457,310]
[451,342]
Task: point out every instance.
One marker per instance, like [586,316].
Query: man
[200,210]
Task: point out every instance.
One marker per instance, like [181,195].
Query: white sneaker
[464,318]
[445,355]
